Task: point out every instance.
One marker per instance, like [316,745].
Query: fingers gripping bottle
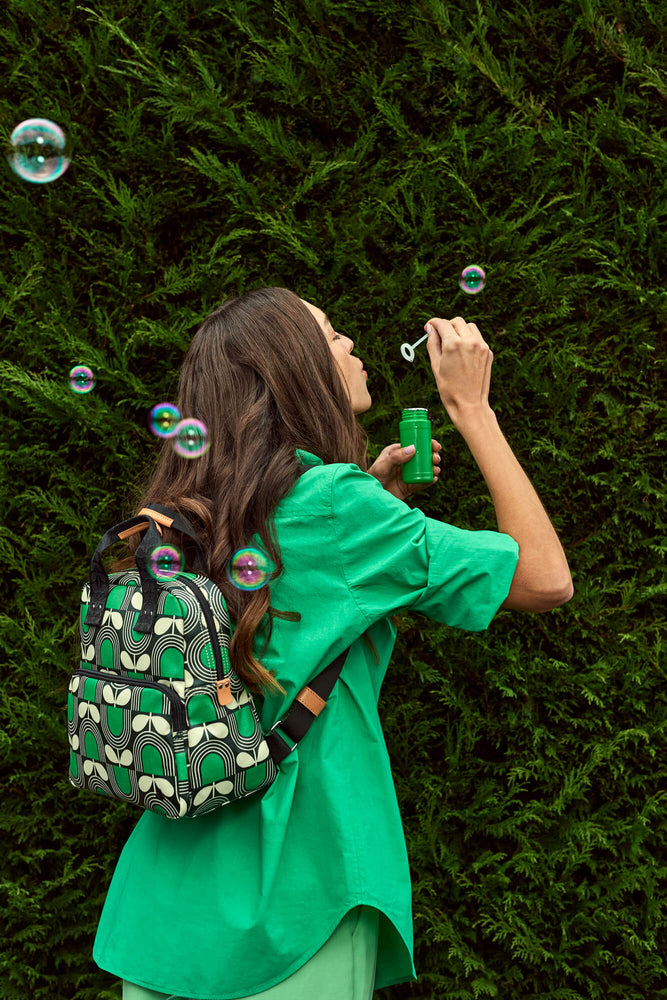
[415,428]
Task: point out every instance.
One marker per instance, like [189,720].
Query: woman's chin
[363,405]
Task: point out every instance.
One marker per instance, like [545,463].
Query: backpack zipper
[177,705]
[223,684]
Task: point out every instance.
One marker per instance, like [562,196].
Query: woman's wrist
[470,418]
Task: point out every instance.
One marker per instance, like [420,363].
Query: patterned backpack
[155,714]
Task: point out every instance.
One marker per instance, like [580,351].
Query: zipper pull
[224,689]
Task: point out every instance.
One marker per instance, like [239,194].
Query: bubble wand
[408,350]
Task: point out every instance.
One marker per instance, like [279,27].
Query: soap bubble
[165,562]
[39,152]
[81,379]
[190,438]
[163,420]
[249,569]
[472,280]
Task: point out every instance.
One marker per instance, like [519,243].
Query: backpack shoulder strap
[304,710]
[308,703]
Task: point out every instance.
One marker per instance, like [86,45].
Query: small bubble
[163,420]
[472,279]
[249,569]
[81,379]
[190,438]
[165,562]
[38,151]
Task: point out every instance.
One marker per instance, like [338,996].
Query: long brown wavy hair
[260,375]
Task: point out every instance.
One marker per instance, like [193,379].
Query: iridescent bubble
[165,562]
[163,420]
[472,280]
[81,379]
[249,569]
[190,438]
[39,151]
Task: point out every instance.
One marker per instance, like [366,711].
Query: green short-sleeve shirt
[233,902]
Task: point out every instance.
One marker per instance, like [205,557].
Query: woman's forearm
[542,579]
[461,361]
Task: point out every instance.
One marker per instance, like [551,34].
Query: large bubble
[81,379]
[163,420]
[249,569]
[165,562]
[190,438]
[472,279]
[38,151]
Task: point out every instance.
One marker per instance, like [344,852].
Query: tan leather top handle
[160,519]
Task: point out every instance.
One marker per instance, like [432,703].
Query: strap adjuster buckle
[275,726]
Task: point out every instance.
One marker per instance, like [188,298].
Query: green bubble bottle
[415,428]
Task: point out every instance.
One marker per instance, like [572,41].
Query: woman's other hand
[387,469]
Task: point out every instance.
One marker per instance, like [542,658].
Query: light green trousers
[343,968]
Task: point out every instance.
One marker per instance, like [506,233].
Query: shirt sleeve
[395,558]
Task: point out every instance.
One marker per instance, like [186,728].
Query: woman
[305,891]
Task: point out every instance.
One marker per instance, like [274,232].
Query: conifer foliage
[362,153]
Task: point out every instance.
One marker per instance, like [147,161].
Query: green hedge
[362,153]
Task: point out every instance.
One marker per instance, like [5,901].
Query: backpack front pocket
[127,741]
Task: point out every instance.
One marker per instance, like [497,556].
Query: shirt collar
[307,457]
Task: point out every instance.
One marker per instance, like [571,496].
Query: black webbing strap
[299,719]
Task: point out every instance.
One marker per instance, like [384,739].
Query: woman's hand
[461,361]
[387,469]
